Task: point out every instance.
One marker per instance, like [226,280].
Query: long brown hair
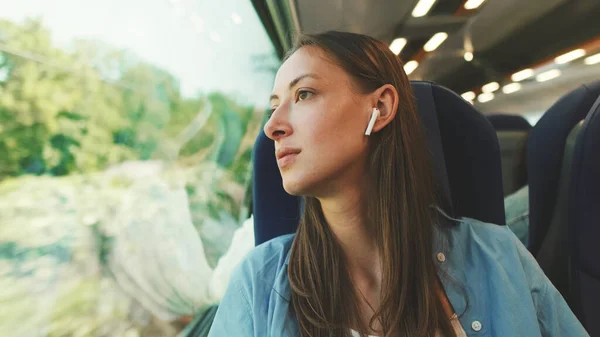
[402,191]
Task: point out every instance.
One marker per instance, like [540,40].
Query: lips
[286,155]
[285,151]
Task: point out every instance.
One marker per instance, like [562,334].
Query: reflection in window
[126,130]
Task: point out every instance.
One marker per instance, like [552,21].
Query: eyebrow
[294,82]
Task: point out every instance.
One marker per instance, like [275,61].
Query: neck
[346,215]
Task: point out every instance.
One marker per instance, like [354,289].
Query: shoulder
[519,198]
[270,254]
[495,245]
[481,233]
[264,264]
[251,282]
[516,205]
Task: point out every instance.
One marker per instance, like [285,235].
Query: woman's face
[318,125]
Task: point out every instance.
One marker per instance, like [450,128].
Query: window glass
[126,130]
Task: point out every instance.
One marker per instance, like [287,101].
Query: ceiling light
[490,87]
[521,75]
[570,56]
[435,42]
[469,95]
[472,4]
[397,45]
[485,97]
[510,88]
[410,66]
[592,59]
[548,75]
[468,56]
[422,8]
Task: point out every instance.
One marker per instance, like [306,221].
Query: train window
[126,130]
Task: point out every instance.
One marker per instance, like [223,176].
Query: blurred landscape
[118,194]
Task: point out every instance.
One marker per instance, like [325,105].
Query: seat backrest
[509,122]
[545,150]
[553,256]
[201,324]
[465,153]
[512,132]
[584,219]
[513,145]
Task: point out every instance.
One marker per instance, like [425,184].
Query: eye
[272,111]
[303,94]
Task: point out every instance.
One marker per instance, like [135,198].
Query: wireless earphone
[372,121]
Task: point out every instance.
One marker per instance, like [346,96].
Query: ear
[386,100]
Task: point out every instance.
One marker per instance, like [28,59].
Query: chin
[295,185]
[293,188]
[301,185]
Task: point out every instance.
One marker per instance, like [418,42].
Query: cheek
[346,124]
[332,143]
[339,131]
[340,118]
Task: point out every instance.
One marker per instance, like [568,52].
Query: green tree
[56,112]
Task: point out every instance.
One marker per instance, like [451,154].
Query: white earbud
[372,121]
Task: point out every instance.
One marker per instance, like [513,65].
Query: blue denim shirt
[516,208]
[508,294]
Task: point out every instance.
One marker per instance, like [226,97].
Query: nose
[278,126]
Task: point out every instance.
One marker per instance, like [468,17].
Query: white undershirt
[460,332]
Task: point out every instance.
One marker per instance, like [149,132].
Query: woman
[516,208]
[371,256]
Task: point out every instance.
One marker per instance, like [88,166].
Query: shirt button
[476,325]
[441,257]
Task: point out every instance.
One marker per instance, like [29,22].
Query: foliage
[81,111]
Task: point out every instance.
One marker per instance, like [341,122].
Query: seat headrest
[465,154]
[506,122]
[471,153]
[545,148]
[274,211]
